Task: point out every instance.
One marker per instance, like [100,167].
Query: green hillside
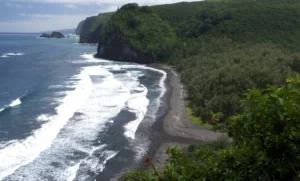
[222,50]
[260,48]
[102,18]
[140,29]
[233,46]
[212,44]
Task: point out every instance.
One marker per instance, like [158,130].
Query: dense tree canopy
[266,143]
[222,49]
[141,29]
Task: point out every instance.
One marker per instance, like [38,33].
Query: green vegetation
[141,29]
[196,119]
[100,20]
[228,47]
[222,49]
[266,143]
[217,77]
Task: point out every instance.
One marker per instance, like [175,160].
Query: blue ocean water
[65,115]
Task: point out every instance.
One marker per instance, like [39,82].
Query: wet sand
[174,127]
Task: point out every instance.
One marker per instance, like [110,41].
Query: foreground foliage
[266,143]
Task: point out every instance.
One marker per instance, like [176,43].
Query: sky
[46,15]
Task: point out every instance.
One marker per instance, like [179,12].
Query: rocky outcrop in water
[54,34]
[115,49]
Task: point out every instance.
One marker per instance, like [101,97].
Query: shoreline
[172,127]
[176,124]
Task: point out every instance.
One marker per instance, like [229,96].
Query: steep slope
[100,20]
[135,34]
[206,31]
[79,28]
[91,28]
[86,29]
[225,49]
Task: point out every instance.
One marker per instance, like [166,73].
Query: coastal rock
[91,28]
[86,29]
[136,34]
[54,34]
[114,49]
[79,28]
[45,35]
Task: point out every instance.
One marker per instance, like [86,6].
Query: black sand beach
[172,126]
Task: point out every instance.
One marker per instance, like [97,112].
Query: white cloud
[13,5]
[42,22]
[71,6]
[38,15]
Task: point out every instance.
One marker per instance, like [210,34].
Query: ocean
[65,115]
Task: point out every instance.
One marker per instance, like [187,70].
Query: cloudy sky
[44,15]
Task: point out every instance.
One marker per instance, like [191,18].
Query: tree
[266,143]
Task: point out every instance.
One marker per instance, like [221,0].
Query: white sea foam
[142,142]
[162,80]
[137,102]
[6,55]
[61,86]
[5,144]
[14,54]
[106,100]
[107,97]
[72,171]
[91,164]
[25,151]
[108,155]
[15,103]
[91,58]
[43,117]
[113,67]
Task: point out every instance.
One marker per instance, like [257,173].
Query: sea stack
[54,34]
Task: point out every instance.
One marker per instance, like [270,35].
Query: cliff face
[114,49]
[79,28]
[91,28]
[86,30]
[135,34]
